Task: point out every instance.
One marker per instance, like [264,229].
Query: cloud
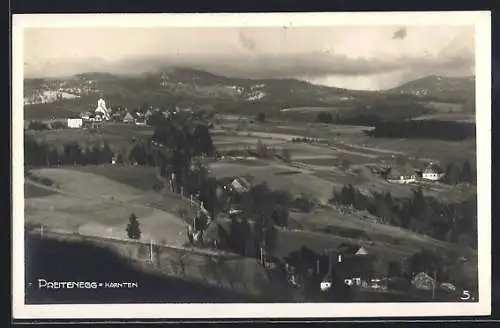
[338,54]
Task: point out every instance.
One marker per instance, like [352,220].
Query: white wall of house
[75,123]
[405,179]
[433,176]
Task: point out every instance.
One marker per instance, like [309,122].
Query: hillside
[86,262]
[439,88]
[191,88]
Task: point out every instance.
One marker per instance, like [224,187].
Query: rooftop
[433,168]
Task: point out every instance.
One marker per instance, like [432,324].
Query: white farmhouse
[432,172]
[402,175]
[75,122]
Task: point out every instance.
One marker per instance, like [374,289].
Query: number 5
[465,295]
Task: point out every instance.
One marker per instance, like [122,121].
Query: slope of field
[94,205]
[34,191]
[86,262]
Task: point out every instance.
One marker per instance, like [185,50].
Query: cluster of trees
[40,153]
[177,147]
[455,222]
[424,129]
[41,126]
[261,201]
[455,173]
[263,209]
[248,237]
[443,266]
[305,139]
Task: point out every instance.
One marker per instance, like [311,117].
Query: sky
[353,57]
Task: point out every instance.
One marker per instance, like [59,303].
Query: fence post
[151,250]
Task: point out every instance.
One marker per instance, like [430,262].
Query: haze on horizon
[363,58]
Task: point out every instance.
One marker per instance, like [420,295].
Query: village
[242,212]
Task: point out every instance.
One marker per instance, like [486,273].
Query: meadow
[92,204]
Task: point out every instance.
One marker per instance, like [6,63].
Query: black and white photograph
[251,165]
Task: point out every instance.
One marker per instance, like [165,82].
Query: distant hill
[446,89]
[196,89]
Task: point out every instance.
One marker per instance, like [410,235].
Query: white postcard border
[482,22]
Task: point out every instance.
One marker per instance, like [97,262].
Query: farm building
[403,174]
[75,122]
[140,122]
[85,115]
[240,184]
[128,118]
[354,267]
[432,172]
[237,184]
[347,249]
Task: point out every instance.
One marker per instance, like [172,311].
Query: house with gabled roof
[348,249]
[237,184]
[128,118]
[432,172]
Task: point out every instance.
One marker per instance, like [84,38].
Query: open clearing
[94,205]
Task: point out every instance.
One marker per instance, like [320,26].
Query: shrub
[133,230]
[303,204]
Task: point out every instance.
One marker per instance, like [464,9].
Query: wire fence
[209,267]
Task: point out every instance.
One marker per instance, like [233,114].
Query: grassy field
[140,177]
[33,191]
[95,205]
[351,140]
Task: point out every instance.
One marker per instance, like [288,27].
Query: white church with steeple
[102,110]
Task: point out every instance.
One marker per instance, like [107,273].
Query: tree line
[404,127]
[41,153]
[455,173]
[455,222]
[35,125]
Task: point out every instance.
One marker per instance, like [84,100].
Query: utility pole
[151,250]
